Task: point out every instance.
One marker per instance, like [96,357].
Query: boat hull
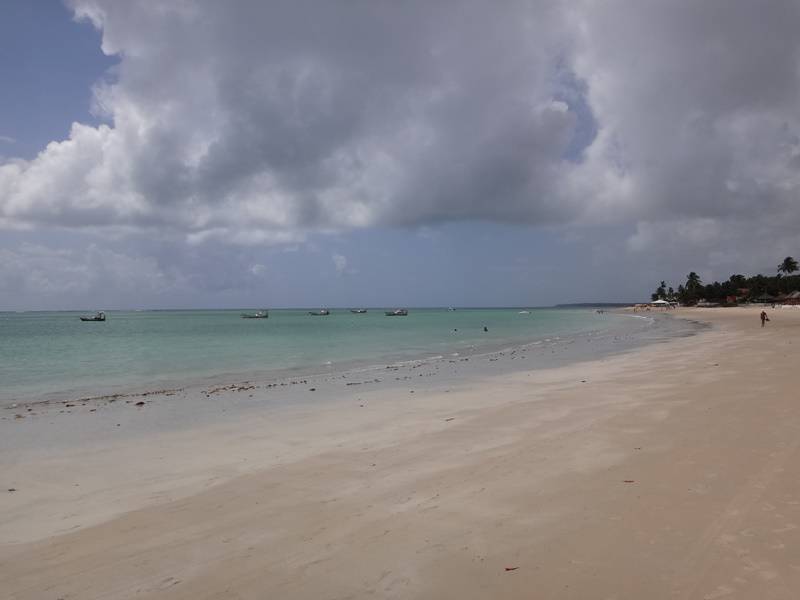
[99,317]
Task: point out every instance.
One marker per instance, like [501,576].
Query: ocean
[54,355]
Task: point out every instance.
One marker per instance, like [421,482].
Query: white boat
[398,312]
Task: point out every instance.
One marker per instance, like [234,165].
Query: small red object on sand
[629,481]
[511,568]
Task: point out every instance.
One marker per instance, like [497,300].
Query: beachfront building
[661,304]
[765,299]
[703,303]
[792,299]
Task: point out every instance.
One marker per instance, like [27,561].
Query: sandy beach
[670,471]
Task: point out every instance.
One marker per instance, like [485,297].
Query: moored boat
[99,316]
[358,311]
[259,314]
[399,312]
[320,313]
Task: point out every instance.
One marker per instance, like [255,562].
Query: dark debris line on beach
[539,351]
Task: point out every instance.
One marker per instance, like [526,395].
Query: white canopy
[660,302]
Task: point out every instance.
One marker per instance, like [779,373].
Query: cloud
[34,269]
[696,106]
[261,124]
[7,139]
[267,122]
[257,269]
[134,272]
[341,265]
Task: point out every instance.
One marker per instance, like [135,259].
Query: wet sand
[666,472]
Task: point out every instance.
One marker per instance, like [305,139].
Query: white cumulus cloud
[339,263]
[256,122]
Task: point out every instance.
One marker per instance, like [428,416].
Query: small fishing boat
[320,313]
[524,312]
[358,311]
[399,312]
[99,316]
[259,314]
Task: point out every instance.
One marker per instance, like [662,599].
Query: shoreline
[632,475]
[223,370]
[167,386]
[68,424]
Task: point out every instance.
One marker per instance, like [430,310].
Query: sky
[192,153]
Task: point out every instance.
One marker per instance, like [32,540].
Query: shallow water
[54,354]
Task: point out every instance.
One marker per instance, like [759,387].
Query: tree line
[739,287]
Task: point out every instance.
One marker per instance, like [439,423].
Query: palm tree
[692,289]
[739,280]
[660,292]
[788,266]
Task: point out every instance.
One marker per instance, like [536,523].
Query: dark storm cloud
[698,103]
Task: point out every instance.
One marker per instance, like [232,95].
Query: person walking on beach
[764,317]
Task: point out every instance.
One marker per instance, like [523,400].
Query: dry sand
[669,472]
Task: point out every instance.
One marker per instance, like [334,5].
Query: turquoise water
[55,354]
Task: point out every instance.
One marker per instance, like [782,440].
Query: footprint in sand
[778,546]
[720,592]
[726,539]
[168,583]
